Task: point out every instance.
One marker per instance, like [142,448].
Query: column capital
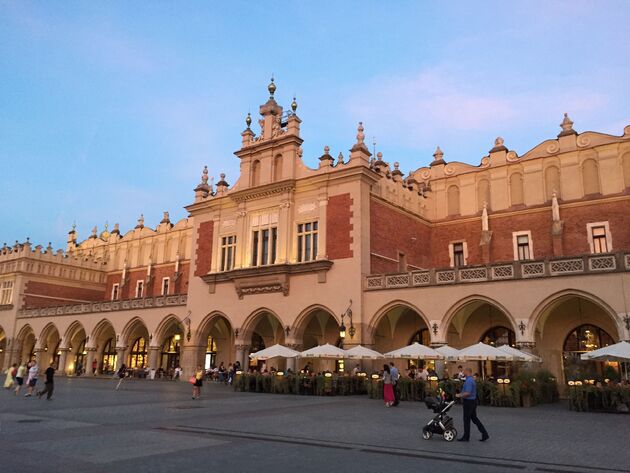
[525,344]
[242,347]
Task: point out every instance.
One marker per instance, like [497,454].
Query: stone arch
[71,331]
[255,173]
[49,330]
[135,326]
[264,323]
[104,325]
[396,324]
[483,193]
[216,335]
[452,195]
[590,176]
[517,194]
[168,322]
[543,309]
[277,167]
[463,311]
[380,313]
[75,340]
[552,182]
[625,165]
[27,341]
[316,325]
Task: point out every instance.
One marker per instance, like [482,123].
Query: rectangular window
[139,289]
[228,252]
[599,239]
[307,234]
[264,244]
[6,295]
[115,291]
[165,286]
[522,242]
[458,255]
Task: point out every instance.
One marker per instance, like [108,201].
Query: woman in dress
[388,387]
[10,379]
[196,392]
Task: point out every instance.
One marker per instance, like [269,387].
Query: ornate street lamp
[342,327]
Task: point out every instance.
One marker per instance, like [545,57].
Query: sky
[109,110]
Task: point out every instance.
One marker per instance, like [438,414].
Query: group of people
[16,375]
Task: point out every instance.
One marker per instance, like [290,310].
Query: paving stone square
[155,426]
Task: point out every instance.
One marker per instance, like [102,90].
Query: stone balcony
[106,306]
[573,266]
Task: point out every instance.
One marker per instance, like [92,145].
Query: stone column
[120,357]
[63,359]
[242,355]
[189,359]
[40,356]
[91,356]
[154,354]
[321,229]
[284,249]
[292,362]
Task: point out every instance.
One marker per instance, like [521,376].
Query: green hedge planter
[593,399]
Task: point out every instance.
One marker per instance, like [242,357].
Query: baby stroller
[441,424]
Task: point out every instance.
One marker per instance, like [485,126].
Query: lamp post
[342,327]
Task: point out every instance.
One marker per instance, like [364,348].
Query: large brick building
[531,250]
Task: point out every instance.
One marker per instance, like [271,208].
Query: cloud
[442,102]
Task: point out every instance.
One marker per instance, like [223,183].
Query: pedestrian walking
[49,385]
[94,366]
[468,395]
[395,378]
[198,383]
[19,378]
[10,379]
[33,373]
[388,389]
[122,374]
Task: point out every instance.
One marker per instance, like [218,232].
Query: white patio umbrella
[520,355]
[482,352]
[362,353]
[449,353]
[617,352]
[415,351]
[275,351]
[324,351]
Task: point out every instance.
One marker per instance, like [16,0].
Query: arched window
[580,340]
[483,193]
[170,353]
[552,182]
[138,354]
[625,162]
[255,173]
[211,353]
[453,200]
[516,189]
[421,336]
[277,168]
[590,177]
[79,358]
[108,357]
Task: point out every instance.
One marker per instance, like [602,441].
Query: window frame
[608,237]
[139,288]
[307,241]
[168,286]
[115,294]
[6,292]
[451,251]
[530,244]
[228,252]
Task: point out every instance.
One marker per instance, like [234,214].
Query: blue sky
[111,109]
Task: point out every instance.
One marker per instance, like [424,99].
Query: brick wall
[393,231]
[204,248]
[40,294]
[338,227]
[155,289]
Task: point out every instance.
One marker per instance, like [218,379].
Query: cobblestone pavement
[155,426]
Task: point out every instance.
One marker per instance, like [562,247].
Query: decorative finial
[204,175]
[379,156]
[326,149]
[271,88]
[94,231]
[222,176]
[49,247]
[498,141]
[396,165]
[360,134]
[165,218]
[340,158]
[140,221]
[294,105]
[439,154]
[248,120]
[116,228]
[567,126]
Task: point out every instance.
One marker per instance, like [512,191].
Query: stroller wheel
[450,435]
[426,434]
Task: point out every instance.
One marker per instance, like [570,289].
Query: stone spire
[203,189]
[140,221]
[567,126]
[498,145]
[438,157]
[326,160]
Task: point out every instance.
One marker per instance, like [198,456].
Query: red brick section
[110,281]
[392,231]
[338,227]
[181,286]
[56,294]
[153,290]
[204,248]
